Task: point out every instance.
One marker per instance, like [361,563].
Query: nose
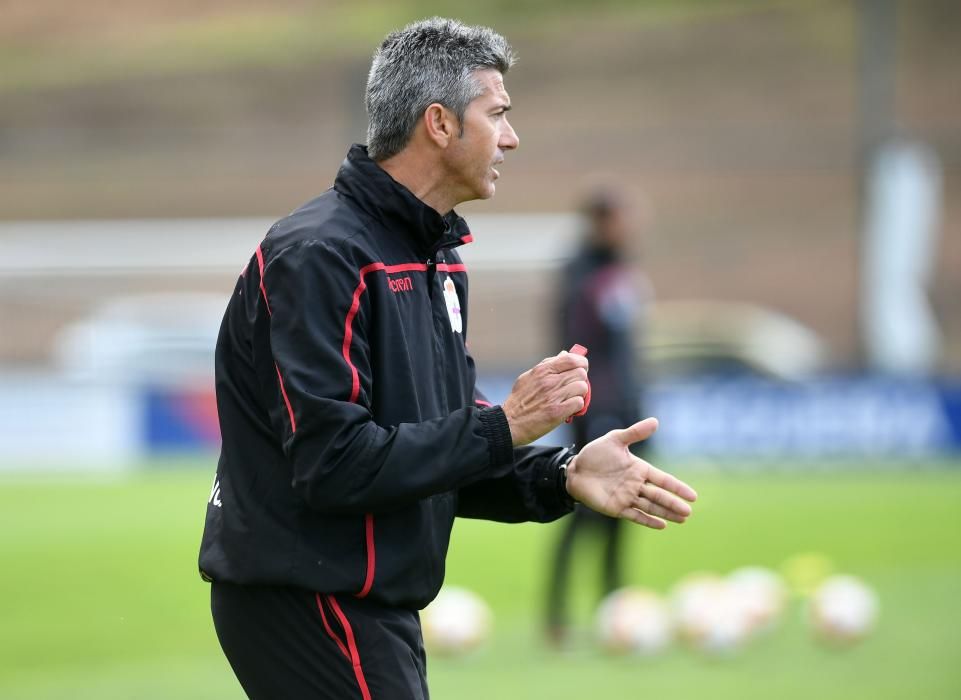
[509,140]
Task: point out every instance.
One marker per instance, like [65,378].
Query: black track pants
[293,643]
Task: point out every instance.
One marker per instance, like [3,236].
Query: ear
[440,124]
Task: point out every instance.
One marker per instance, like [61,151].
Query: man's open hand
[606,477]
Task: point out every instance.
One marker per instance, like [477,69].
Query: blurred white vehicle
[155,338]
[696,336]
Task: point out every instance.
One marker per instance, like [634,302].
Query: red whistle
[581,350]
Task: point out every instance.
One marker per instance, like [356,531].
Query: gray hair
[426,62]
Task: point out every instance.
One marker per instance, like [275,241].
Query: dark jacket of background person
[599,308]
[363,401]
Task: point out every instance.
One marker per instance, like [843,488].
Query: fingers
[670,483]
[571,405]
[578,374]
[654,505]
[564,361]
[574,390]
[570,385]
[545,395]
[642,518]
[651,508]
[564,381]
[635,433]
[665,500]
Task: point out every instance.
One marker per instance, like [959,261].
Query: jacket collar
[398,208]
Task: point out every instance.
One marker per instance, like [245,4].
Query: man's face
[486,136]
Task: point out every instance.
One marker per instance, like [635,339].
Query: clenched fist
[545,395]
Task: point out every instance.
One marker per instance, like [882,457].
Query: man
[352,430]
[601,305]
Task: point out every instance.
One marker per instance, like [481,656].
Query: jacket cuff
[554,481]
[498,433]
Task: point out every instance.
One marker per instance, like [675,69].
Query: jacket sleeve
[531,491]
[319,397]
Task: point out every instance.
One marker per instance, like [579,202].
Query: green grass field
[100,596]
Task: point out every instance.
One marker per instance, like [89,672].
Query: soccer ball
[709,613]
[634,620]
[761,596]
[843,610]
[456,622]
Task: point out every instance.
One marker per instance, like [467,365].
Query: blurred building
[741,121]
[125,130]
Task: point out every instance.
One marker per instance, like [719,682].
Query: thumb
[641,430]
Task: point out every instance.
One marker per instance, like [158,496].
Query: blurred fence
[59,273]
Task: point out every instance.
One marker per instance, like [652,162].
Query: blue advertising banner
[856,417]
[179,420]
[713,417]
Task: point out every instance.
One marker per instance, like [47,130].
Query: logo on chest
[400,284]
[453,306]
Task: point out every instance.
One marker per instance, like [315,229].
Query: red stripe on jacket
[355,307]
[355,392]
[260,265]
[371,555]
[283,389]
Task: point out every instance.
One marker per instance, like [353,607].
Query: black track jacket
[352,431]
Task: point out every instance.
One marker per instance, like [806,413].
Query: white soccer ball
[709,614]
[634,620]
[456,622]
[843,610]
[761,595]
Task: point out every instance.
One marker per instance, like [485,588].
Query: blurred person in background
[352,431]
[602,304]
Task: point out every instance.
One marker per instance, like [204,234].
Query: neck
[422,176]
